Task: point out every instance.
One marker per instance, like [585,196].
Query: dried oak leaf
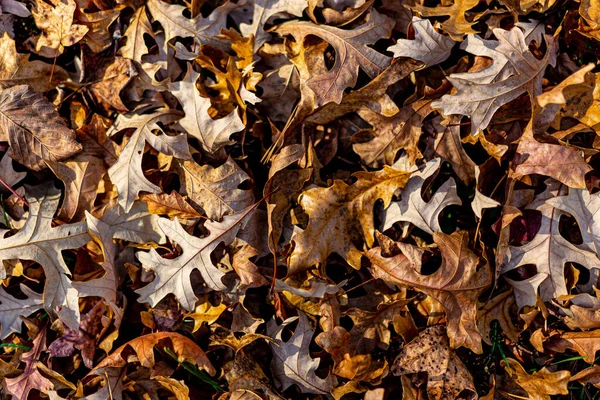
[539,385]
[554,160]
[127,174]
[107,286]
[55,19]
[143,347]
[99,36]
[498,308]
[16,69]
[173,205]
[203,30]
[340,213]
[585,343]
[20,386]
[213,134]
[549,252]
[39,241]
[447,376]
[216,189]
[479,96]
[352,52]
[457,24]
[448,145]
[35,131]
[428,46]
[292,363]
[135,44]
[137,225]
[262,10]
[173,275]
[392,134]
[12,309]
[412,208]
[82,173]
[456,284]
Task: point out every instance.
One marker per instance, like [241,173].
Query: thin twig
[6,185]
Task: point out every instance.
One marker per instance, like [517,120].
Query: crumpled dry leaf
[447,376]
[31,378]
[55,20]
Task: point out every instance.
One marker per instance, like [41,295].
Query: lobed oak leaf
[540,384]
[143,346]
[35,131]
[392,134]
[39,241]
[340,214]
[137,225]
[291,362]
[203,30]
[428,46]
[352,53]
[81,174]
[457,24]
[127,173]
[98,36]
[106,286]
[479,97]
[135,45]
[412,208]
[213,134]
[31,378]
[549,252]
[456,284]
[448,145]
[499,308]
[262,11]
[12,309]
[173,275]
[216,190]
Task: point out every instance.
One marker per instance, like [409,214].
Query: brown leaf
[447,376]
[173,205]
[456,284]
[541,384]
[55,20]
[31,378]
[352,53]
[143,346]
[392,134]
[340,213]
[16,69]
[35,131]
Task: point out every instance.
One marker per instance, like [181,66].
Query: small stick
[6,185]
